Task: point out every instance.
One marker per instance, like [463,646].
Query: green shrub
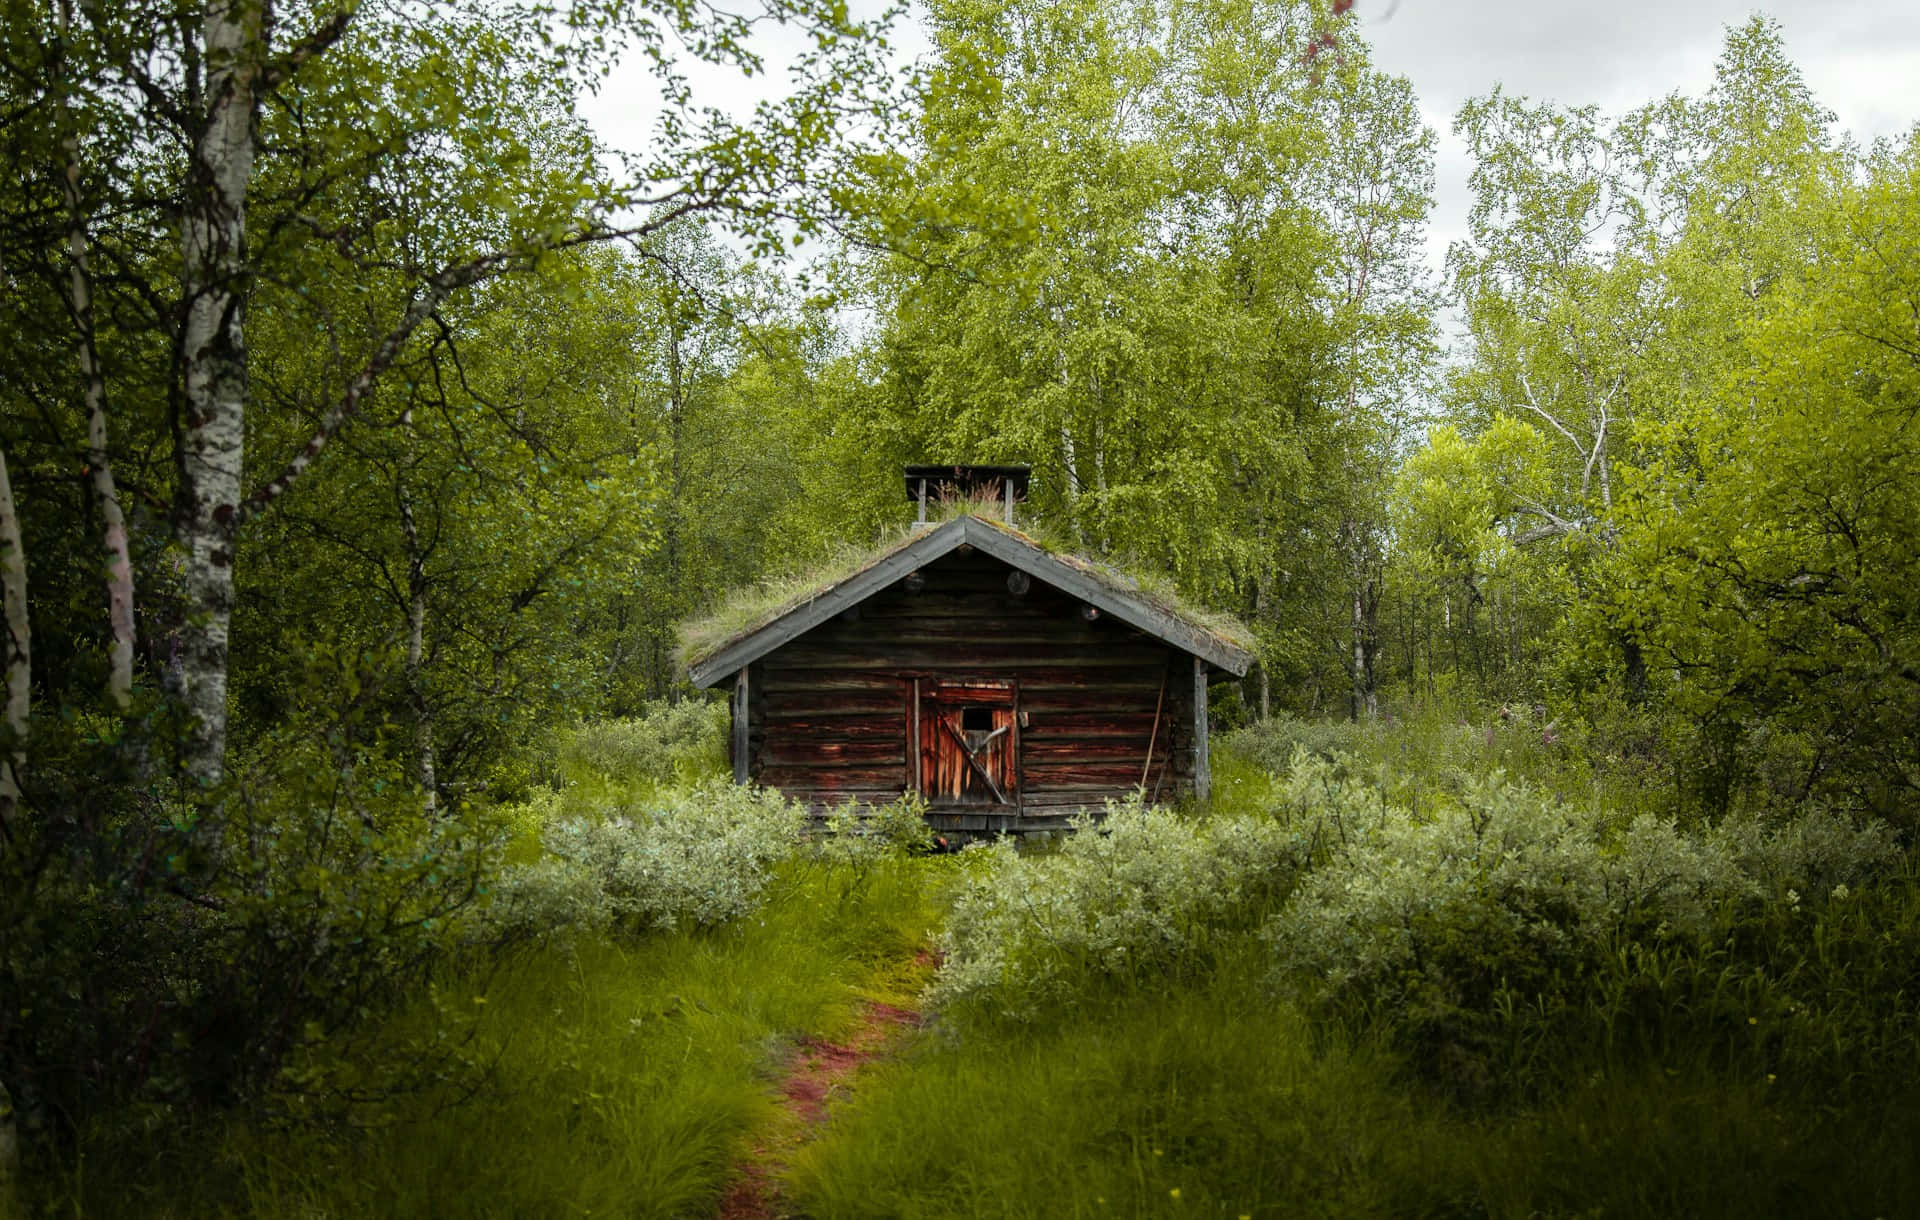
[1493,923]
[702,857]
[1137,897]
[683,741]
[857,832]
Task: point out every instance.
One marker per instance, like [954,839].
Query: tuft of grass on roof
[1155,588]
[754,606]
[751,607]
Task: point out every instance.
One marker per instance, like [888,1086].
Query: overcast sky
[1860,57]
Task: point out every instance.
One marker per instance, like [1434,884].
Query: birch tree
[268,139]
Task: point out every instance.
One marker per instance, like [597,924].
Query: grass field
[1164,1063]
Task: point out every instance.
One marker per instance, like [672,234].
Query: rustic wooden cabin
[1010,685]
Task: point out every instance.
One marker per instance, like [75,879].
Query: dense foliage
[367,428]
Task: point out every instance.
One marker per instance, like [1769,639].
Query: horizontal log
[787,704]
[781,679]
[793,778]
[954,606]
[1086,749]
[1038,776]
[886,655]
[834,753]
[1045,678]
[1128,723]
[838,728]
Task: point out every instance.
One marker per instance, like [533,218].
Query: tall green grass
[1206,1101]
[594,1076]
[1223,1099]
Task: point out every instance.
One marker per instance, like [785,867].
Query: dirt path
[817,1072]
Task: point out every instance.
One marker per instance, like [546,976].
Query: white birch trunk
[119,565]
[214,354]
[416,657]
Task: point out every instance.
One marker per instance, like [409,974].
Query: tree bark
[214,359]
[113,522]
[18,648]
[423,742]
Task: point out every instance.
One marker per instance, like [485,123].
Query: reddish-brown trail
[817,1072]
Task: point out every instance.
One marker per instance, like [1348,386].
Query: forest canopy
[364,421]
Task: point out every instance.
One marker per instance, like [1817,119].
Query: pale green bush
[684,740]
[702,857]
[1506,859]
[1501,909]
[858,833]
[1139,895]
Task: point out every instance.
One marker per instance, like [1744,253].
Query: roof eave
[1002,545]
[836,598]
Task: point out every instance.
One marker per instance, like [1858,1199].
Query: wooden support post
[1009,489]
[916,756]
[1202,766]
[740,706]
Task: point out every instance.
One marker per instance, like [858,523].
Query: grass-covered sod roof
[717,644]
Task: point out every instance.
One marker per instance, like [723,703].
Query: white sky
[1860,57]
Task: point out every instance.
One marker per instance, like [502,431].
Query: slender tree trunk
[676,602]
[18,647]
[119,567]
[422,710]
[424,771]
[214,357]
[1364,699]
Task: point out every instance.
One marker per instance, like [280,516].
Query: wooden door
[969,742]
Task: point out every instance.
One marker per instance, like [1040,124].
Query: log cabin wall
[830,713]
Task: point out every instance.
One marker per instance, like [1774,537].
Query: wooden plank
[786,680]
[833,753]
[1099,750]
[830,728]
[742,720]
[1121,775]
[1202,764]
[1082,724]
[793,778]
[811,704]
[889,657]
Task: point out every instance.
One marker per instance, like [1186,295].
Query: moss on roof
[753,607]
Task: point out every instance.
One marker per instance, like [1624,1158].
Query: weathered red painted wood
[865,728]
[791,704]
[796,778]
[833,710]
[834,753]
[782,679]
[1080,724]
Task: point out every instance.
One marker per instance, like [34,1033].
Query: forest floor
[817,1072]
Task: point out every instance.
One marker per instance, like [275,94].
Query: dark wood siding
[830,711]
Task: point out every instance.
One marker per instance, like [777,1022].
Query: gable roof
[1105,588]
